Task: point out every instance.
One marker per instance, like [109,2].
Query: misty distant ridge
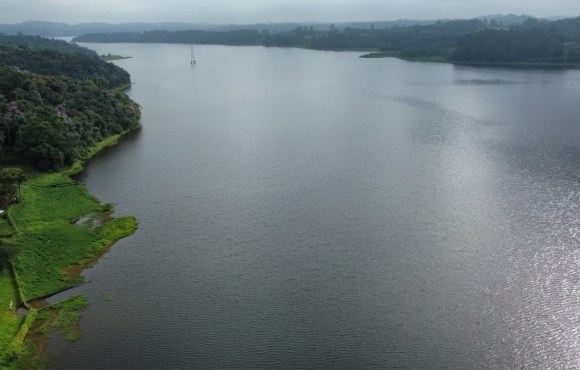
[53,29]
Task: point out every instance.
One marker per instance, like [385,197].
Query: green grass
[19,350]
[52,249]
[77,167]
[63,316]
[48,239]
[117,229]
[15,354]
[9,322]
[67,316]
[49,198]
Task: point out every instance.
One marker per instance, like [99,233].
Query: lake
[307,209]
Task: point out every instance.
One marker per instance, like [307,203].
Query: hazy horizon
[270,11]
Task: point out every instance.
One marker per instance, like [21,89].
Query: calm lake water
[305,209]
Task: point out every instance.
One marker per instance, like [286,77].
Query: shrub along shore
[57,229]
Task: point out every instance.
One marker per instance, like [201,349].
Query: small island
[111,57]
[60,104]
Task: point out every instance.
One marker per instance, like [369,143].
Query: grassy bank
[9,321]
[50,239]
[58,229]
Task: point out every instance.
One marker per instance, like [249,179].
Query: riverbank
[442,59]
[58,229]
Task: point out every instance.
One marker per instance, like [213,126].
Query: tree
[10,180]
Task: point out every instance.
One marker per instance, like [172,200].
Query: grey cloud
[254,11]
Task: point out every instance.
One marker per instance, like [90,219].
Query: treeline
[332,39]
[40,43]
[476,40]
[434,38]
[569,28]
[59,58]
[51,118]
[534,41]
[516,46]
[236,37]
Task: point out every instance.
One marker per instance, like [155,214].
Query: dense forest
[332,39]
[59,58]
[55,105]
[534,46]
[476,40]
[533,41]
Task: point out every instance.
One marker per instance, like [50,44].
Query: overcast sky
[269,11]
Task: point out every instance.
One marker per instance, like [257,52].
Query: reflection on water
[303,209]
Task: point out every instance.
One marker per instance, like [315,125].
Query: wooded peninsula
[59,105]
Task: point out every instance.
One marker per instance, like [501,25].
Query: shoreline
[370,54]
[441,59]
[49,214]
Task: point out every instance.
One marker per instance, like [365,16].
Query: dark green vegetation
[535,45]
[477,40]
[59,58]
[50,119]
[59,105]
[58,228]
[9,321]
[63,315]
[10,181]
[47,221]
[22,349]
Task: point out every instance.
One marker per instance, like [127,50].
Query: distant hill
[507,19]
[52,29]
[317,26]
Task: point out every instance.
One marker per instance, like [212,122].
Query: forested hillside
[59,58]
[55,105]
